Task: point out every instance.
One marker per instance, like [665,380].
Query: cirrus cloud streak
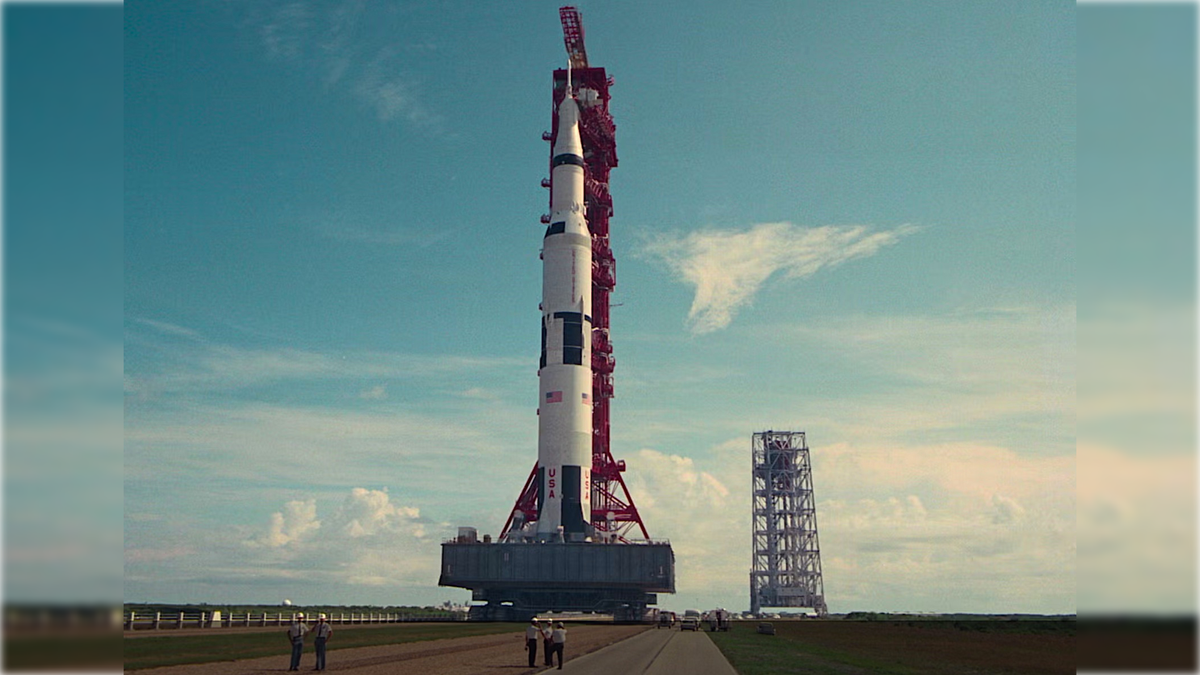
[728,267]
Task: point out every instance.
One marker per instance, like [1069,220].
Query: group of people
[321,633]
[552,637]
[553,640]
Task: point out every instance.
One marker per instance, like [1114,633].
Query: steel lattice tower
[786,570]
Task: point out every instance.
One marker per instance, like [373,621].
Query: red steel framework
[613,510]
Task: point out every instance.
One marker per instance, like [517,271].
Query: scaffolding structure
[786,570]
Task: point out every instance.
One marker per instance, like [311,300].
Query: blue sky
[62,304]
[856,221]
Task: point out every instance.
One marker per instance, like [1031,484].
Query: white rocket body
[565,373]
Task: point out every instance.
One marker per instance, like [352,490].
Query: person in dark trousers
[560,641]
[533,635]
[321,635]
[295,633]
[548,643]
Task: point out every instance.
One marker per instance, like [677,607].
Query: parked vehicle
[718,619]
[690,623]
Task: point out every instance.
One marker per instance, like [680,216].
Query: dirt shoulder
[478,655]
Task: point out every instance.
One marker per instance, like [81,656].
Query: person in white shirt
[321,635]
[532,635]
[295,633]
[560,640]
[548,643]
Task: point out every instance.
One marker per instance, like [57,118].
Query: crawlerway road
[654,652]
[478,655]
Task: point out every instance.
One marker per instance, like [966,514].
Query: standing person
[532,635]
[560,641]
[295,635]
[320,636]
[548,643]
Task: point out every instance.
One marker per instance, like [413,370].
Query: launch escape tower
[604,562]
[786,569]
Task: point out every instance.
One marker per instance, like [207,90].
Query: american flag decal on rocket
[554,397]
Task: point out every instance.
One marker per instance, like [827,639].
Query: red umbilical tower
[614,515]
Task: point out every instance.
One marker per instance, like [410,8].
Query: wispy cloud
[200,365]
[283,33]
[390,94]
[168,328]
[338,44]
[949,371]
[1007,376]
[62,460]
[349,228]
[338,40]
[727,267]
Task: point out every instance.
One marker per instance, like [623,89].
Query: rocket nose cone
[568,141]
[568,109]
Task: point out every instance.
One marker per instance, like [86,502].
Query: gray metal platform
[519,580]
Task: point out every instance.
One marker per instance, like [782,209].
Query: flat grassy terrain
[833,647]
[230,644]
[62,651]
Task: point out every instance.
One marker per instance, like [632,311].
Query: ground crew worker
[321,635]
[548,643]
[295,635]
[532,635]
[560,641]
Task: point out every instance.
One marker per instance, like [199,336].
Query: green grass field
[229,645]
[901,648]
[62,652]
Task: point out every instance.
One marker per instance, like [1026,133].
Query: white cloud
[1137,531]
[728,267]
[367,540]
[705,519]
[1137,456]
[946,527]
[297,520]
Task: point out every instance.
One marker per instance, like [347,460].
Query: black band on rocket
[566,159]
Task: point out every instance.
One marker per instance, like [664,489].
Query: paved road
[654,652]
[500,654]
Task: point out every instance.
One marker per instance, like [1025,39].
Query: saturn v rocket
[526,571]
[565,369]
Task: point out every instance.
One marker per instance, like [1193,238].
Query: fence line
[219,619]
